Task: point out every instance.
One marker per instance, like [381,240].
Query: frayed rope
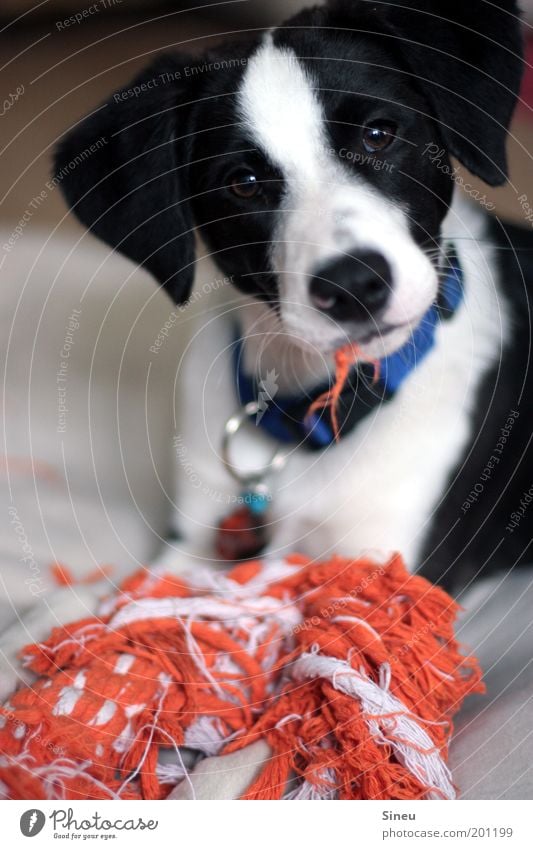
[349,670]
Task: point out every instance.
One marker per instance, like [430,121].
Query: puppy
[311,167]
[310,171]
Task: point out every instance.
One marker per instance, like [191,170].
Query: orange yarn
[349,670]
[63,576]
[345,358]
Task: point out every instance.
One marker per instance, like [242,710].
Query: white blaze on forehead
[280,109]
[329,210]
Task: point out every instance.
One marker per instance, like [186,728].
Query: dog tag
[243,534]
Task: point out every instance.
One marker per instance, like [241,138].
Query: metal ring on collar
[231,428]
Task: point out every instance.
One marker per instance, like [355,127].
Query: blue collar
[285,418]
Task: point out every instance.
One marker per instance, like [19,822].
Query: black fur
[472,530]
[133,191]
[466,56]
[446,72]
[171,149]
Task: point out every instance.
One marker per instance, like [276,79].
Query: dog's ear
[123,170]
[467,57]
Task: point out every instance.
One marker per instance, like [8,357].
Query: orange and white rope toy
[348,669]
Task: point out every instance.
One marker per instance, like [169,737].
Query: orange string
[345,358]
[63,576]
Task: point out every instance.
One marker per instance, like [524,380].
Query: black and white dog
[312,168]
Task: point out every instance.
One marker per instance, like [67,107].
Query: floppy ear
[467,57]
[123,170]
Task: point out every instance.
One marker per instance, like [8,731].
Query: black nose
[354,288]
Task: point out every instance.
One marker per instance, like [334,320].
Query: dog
[310,170]
[312,167]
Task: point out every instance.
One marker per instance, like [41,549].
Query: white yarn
[165,681]
[106,712]
[78,640]
[287,616]
[357,621]
[124,664]
[205,734]
[402,732]
[307,792]
[198,657]
[170,773]
[272,571]
[124,740]
[69,696]
[53,773]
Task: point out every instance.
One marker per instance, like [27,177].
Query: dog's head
[306,159]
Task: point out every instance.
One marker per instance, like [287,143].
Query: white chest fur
[377,490]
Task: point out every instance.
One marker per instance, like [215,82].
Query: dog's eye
[244,184]
[378,136]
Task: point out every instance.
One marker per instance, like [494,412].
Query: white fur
[377,490]
[327,211]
